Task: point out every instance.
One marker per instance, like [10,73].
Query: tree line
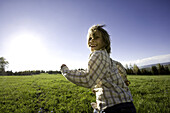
[153,70]
[131,70]
[4,64]
[29,72]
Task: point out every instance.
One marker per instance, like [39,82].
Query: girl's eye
[90,38]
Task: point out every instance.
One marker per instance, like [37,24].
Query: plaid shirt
[103,77]
[121,70]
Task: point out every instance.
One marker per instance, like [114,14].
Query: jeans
[127,107]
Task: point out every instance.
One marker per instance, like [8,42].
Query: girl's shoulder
[116,62]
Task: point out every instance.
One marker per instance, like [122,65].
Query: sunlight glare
[27,49]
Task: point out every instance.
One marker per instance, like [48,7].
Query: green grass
[151,94]
[53,93]
[43,93]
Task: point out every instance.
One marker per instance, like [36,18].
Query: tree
[161,69]
[154,70]
[3,64]
[129,70]
[136,70]
[145,71]
[167,72]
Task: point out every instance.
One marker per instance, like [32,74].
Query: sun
[26,49]
[25,44]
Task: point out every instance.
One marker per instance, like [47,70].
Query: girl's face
[95,41]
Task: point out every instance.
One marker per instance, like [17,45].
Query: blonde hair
[105,35]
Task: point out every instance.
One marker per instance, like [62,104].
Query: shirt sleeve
[122,71]
[88,78]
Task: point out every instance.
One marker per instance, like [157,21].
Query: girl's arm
[122,72]
[97,67]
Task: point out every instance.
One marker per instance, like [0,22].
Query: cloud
[150,60]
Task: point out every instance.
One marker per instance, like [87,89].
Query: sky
[44,34]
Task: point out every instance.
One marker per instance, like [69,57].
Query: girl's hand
[127,82]
[63,65]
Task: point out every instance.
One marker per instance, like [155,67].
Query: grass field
[53,93]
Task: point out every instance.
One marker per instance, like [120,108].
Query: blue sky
[43,34]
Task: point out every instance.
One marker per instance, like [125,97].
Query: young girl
[106,77]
